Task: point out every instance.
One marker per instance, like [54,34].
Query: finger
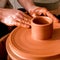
[22,24]
[42,12]
[22,14]
[25,22]
[20,20]
[34,15]
[39,13]
[16,23]
[28,21]
[53,17]
[17,17]
[25,25]
[26,17]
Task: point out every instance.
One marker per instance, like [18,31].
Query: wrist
[31,8]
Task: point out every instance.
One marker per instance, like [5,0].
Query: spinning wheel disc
[22,45]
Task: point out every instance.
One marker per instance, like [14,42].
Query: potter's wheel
[22,45]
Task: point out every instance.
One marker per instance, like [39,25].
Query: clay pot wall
[42,28]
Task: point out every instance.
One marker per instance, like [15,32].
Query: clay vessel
[21,45]
[42,28]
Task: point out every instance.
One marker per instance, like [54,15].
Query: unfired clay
[42,28]
[21,45]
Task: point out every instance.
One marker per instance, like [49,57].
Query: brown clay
[42,28]
[20,44]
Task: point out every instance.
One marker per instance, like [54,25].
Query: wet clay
[21,45]
[42,28]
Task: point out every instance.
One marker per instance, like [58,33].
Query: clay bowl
[21,43]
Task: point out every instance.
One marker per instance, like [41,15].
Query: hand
[37,11]
[12,17]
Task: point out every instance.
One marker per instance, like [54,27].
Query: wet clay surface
[21,43]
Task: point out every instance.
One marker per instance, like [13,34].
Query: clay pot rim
[48,19]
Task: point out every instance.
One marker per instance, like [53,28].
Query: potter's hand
[12,17]
[36,11]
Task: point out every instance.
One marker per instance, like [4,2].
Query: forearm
[27,4]
[0,14]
